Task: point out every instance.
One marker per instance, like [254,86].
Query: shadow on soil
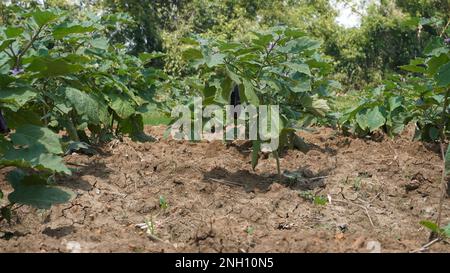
[302,179]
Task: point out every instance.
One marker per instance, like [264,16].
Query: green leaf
[320,106]
[250,93]
[84,104]
[224,93]
[300,45]
[233,76]
[63,30]
[51,67]
[34,157]
[435,47]
[214,59]
[13,32]
[22,117]
[361,119]
[446,230]
[436,62]
[5,80]
[134,126]
[100,43]
[431,226]
[443,76]
[146,57]
[33,190]
[255,153]
[320,200]
[5,145]
[262,40]
[299,67]
[43,17]
[375,119]
[4,45]
[395,102]
[414,67]
[32,135]
[302,83]
[192,54]
[121,104]
[16,97]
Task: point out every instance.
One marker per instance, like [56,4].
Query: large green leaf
[416,65]
[299,45]
[223,94]
[100,43]
[395,102]
[84,104]
[121,104]
[44,17]
[233,76]
[33,190]
[302,83]
[63,30]
[13,32]
[192,54]
[443,76]
[214,59]
[5,80]
[362,120]
[34,157]
[250,93]
[320,106]
[16,97]
[436,62]
[299,67]
[262,40]
[4,44]
[31,135]
[51,67]
[375,119]
[133,126]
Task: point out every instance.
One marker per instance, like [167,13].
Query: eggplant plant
[280,66]
[435,71]
[60,73]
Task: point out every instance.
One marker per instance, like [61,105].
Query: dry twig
[357,205]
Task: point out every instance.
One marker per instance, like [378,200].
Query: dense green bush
[421,98]
[281,66]
[62,74]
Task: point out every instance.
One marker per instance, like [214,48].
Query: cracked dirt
[379,192]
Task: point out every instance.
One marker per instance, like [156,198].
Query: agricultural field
[224,126]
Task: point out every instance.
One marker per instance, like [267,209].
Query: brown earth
[379,192]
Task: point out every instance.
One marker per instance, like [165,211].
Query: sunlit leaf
[43,17]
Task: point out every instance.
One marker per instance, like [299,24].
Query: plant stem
[27,46]
[72,130]
[445,28]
